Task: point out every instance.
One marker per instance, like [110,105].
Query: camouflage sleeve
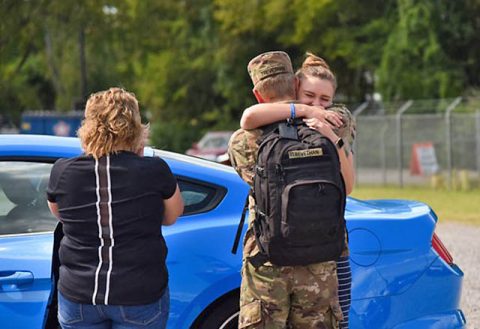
[348,130]
[242,151]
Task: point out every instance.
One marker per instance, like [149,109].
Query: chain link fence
[419,142]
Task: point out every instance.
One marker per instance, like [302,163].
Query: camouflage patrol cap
[268,65]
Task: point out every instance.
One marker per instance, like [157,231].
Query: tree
[173,70]
[350,35]
[414,64]
[186,60]
[21,76]
[458,36]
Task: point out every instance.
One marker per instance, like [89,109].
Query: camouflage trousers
[277,297]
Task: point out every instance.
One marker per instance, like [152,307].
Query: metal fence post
[477,126]
[448,125]
[359,109]
[399,114]
[383,153]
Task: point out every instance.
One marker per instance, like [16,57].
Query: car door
[26,241]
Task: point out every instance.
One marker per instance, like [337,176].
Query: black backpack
[300,197]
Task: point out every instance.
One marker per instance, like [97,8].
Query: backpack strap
[288,130]
[267,132]
[240,227]
[258,259]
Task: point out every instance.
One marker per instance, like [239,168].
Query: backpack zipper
[286,192]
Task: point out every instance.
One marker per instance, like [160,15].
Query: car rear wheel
[223,314]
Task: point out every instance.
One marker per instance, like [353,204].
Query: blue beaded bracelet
[292,111]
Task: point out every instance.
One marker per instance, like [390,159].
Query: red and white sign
[423,160]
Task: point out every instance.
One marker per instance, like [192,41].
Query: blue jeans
[73,315]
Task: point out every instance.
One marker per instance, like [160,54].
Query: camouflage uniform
[265,291]
[348,129]
[273,297]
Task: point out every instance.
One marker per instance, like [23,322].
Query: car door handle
[15,277]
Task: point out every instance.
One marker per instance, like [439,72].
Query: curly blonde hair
[112,123]
[317,67]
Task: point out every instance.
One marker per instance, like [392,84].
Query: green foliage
[173,135]
[414,59]
[177,82]
[186,60]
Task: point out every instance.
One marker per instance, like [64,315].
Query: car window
[214,141]
[23,202]
[198,196]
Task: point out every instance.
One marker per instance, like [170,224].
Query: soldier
[279,296]
[316,89]
[317,85]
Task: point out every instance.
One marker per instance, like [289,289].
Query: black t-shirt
[113,251]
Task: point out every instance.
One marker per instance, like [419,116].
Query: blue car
[403,277]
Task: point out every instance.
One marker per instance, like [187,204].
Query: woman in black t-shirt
[113,202]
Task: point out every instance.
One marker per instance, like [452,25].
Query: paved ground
[463,242]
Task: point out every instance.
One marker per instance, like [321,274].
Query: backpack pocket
[311,212]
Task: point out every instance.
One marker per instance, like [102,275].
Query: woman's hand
[53,206]
[322,127]
[143,140]
[334,119]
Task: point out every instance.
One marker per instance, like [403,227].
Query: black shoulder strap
[288,130]
[240,227]
[258,259]
[285,129]
[267,132]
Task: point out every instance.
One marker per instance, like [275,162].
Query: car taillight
[441,249]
